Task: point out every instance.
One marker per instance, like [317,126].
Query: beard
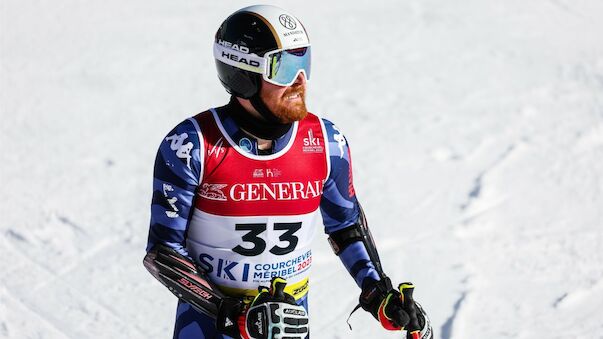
[287,112]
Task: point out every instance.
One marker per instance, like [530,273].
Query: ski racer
[237,193]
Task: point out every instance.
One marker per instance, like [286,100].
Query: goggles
[280,67]
[284,66]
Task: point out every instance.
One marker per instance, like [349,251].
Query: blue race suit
[178,168]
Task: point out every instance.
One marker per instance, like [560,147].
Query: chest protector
[255,216]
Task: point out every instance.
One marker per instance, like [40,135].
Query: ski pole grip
[277,288]
[413,329]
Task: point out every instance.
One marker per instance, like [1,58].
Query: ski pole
[413,331]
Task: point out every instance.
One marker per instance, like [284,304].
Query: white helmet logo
[287,21]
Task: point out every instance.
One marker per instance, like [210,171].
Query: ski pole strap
[350,316]
[373,292]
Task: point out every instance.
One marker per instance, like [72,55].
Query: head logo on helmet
[236,47]
[260,42]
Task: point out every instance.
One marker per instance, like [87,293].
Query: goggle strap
[249,62]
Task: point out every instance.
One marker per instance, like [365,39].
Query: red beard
[288,112]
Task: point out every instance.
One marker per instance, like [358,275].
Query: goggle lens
[284,66]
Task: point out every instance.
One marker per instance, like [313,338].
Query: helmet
[260,42]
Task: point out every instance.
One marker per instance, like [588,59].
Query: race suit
[245,216]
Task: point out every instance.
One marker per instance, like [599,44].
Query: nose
[300,80]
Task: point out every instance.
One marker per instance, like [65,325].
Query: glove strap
[241,322]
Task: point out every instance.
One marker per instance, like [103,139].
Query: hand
[271,313]
[395,309]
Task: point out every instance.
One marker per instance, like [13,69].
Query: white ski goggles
[280,67]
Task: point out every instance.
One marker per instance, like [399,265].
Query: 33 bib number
[258,244]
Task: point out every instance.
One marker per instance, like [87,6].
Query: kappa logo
[312,144]
[217,149]
[183,151]
[213,192]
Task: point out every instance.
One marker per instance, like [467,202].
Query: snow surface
[476,128]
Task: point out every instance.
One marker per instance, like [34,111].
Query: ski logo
[213,192]
[183,151]
[312,144]
[217,149]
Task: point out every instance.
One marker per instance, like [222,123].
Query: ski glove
[395,309]
[273,314]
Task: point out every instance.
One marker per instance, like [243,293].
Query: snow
[476,129]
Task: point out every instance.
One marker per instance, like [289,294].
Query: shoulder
[180,151]
[191,125]
[187,126]
[187,131]
[330,128]
[334,136]
[332,132]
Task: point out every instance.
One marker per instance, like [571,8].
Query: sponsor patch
[312,144]
[246,145]
[213,192]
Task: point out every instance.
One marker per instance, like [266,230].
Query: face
[286,102]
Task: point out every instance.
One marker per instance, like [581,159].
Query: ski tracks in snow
[57,290]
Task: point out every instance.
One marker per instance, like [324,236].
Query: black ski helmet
[245,36]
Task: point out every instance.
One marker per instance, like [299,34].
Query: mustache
[293,91]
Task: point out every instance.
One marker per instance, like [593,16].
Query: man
[237,193]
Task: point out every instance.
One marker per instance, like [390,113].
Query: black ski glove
[272,312]
[395,309]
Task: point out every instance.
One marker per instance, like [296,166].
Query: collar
[263,129]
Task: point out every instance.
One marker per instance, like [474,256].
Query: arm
[351,240]
[177,172]
[342,213]
[271,312]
